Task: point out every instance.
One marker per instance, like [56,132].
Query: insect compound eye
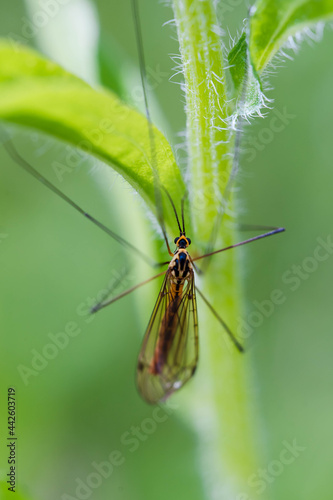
[176,239]
[189,241]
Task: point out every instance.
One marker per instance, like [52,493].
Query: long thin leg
[223,323]
[197,269]
[143,75]
[254,227]
[15,155]
[103,304]
[111,289]
[255,238]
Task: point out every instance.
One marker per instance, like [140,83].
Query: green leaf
[272,22]
[238,60]
[247,90]
[39,94]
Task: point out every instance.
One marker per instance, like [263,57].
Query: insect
[169,353]
[170,349]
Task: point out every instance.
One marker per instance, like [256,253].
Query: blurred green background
[54,263]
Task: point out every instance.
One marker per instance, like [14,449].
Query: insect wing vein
[169,353]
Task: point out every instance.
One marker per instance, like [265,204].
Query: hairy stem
[200,45]
[223,411]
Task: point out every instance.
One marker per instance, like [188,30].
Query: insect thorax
[180,265]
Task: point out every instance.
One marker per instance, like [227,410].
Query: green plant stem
[201,52]
[223,412]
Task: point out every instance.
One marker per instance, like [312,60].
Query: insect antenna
[174,209]
[183,217]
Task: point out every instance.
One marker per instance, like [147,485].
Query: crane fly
[170,349]
[169,352]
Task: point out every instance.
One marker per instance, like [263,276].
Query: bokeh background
[75,410]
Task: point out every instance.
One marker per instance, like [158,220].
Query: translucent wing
[169,353]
